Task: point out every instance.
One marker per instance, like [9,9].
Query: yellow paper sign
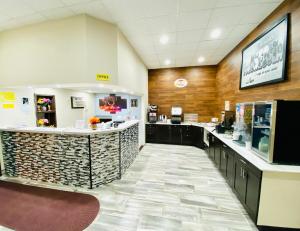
[8,106]
[102,77]
[7,96]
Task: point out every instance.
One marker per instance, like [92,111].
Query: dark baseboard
[270,228]
[141,147]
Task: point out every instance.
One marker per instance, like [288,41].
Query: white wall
[66,116]
[133,74]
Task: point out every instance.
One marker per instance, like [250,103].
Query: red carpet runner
[28,208]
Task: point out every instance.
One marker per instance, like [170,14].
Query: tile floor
[168,187]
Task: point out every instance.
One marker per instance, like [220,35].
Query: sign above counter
[102,77]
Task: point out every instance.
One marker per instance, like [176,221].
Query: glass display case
[261,129]
[243,123]
[275,131]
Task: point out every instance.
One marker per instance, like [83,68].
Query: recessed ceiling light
[201,59]
[164,39]
[167,61]
[215,33]
[114,90]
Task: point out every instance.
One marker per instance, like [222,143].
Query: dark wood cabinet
[240,183]
[224,160]
[151,133]
[230,168]
[252,194]
[247,185]
[163,134]
[211,149]
[217,150]
[187,135]
[197,138]
[174,134]
[227,165]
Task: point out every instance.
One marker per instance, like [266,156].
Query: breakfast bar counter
[76,157]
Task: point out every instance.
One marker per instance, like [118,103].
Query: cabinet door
[163,134]
[240,183]
[198,137]
[224,158]
[218,144]
[230,168]
[151,133]
[211,147]
[187,135]
[252,194]
[176,134]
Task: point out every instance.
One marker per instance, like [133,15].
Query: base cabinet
[240,182]
[242,176]
[174,134]
[211,149]
[247,185]
[217,152]
[197,139]
[252,194]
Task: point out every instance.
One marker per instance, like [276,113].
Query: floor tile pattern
[168,187]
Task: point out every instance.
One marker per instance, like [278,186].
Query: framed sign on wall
[77,102]
[264,60]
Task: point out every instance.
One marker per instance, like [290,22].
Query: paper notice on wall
[8,106]
[7,97]
[227,105]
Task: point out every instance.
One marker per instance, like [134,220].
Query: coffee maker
[152,113]
[227,120]
[176,114]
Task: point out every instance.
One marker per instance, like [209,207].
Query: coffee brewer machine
[152,113]
[176,113]
[227,120]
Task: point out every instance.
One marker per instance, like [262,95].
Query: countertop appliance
[152,113]
[227,119]
[275,132]
[176,114]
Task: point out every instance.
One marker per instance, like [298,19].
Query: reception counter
[75,157]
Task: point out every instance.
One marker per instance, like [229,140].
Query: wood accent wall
[228,73]
[198,97]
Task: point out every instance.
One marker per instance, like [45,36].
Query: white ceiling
[187,23]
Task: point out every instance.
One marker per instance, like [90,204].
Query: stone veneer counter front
[81,158]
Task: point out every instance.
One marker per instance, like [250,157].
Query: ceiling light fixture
[167,61]
[201,59]
[215,33]
[164,39]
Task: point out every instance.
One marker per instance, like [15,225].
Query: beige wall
[133,74]
[279,200]
[71,50]
[49,52]
[101,50]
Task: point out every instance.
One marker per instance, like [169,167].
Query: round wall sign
[180,83]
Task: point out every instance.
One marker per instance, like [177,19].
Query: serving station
[75,157]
